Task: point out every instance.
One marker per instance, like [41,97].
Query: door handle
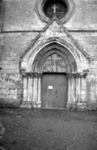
[56,92]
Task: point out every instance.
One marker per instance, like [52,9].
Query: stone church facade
[48,54]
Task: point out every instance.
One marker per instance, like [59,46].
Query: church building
[48,54]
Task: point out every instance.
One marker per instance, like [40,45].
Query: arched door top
[54,52]
[75,59]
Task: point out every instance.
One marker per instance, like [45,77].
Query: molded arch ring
[50,49]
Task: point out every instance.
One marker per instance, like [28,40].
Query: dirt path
[48,130]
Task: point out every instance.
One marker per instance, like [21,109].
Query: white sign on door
[50,87]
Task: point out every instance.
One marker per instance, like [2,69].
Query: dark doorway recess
[54,90]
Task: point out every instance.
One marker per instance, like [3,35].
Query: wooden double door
[54,90]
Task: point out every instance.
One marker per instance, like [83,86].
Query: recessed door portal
[54,90]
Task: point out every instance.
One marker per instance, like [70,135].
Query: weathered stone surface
[20,15]
[84,16]
[12,47]
[10,89]
[2,130]
[15,18]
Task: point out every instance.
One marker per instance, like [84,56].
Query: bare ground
[48,130]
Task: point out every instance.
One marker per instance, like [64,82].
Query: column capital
[76,75]
[70,75]
[31,74]
[23,73]
[36,75]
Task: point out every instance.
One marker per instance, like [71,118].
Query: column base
[26,104]
[77,106]
[71,106]
[81,106]
[92,106]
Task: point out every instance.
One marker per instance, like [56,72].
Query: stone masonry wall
[10,78]
[21,15]
[19,24]
[88,40]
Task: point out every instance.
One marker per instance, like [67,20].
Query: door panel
[54,91]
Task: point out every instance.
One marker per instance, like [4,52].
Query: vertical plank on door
[54,91]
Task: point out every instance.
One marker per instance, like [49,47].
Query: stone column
[25,103]
[83,89]
[39,92]
[30,89]
[81,104]
[35,92]
[77,89]
[73,90]
[25,91]
[69,92]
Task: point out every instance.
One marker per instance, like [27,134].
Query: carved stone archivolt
[54,58]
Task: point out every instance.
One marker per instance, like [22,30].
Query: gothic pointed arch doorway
[52,79]
[54,82]
[53,63]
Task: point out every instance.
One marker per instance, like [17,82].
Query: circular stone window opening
[57,7]
[63,9]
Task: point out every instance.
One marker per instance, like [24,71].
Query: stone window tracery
[63,9]
[57,7]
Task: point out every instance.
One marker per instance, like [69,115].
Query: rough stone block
[82,106]
[10,102]
[92,105]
